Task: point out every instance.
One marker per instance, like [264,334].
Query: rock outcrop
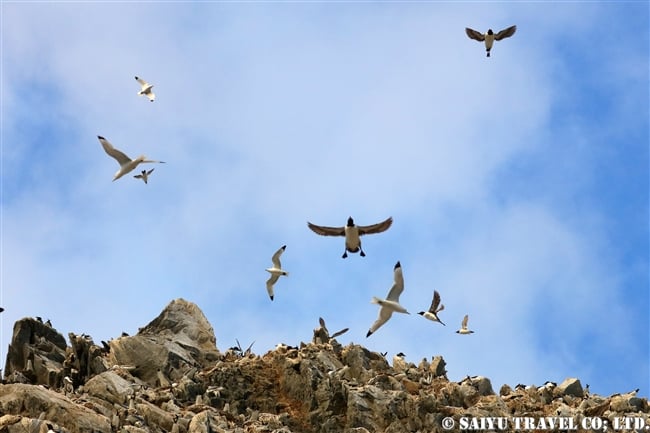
[171,377]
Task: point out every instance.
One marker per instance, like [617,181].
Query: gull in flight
[434,309]
[146,89]
[275,271]
[463,326]
[144,175]
[391,303]
[352,233]
[490,36]
[126,164]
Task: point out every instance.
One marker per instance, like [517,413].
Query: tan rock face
[170,377]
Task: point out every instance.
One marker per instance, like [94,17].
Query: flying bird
[146,89]
[144,175]
[352,233]
[434,309]
[490,36]
[391,303]
[275,271]
[463,326]
[126,164]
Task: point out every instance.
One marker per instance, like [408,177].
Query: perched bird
[490,36]
[434,309]
[391,303]
[275,271]
[163,381]
[352,233]
[144,175]
[399,362]
[146,89]
[463,326]
[126,164]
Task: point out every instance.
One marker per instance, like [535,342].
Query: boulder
[36,354]
[179,339]
[570,386]
[36,401]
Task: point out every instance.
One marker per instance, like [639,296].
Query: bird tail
[375,300]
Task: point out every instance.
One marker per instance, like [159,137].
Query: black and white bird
[352,233]
[126,164]
[391,303]
[463,327]
[490,36]
[399,362]
[434,309]
[276,271]
[146,89]
[144,175]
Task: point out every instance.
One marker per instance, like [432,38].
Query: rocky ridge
[171,377]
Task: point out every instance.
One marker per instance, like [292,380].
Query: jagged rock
[179,339]
[570,386]
[482,385]
[109,386]
[85,359]
[31,401]
[437,366]
[171,378]
[36,354]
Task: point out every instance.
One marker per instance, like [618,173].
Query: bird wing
[149,172]
[138,176]
[375,228]
[272,280]
[473,34]
[384,315]
[113,152]
[326,231]
[142,82]
[276,257]
[269,284]
[435,302]
[151,95]
[463,325]
[505,33]
[398,286]
[341,332]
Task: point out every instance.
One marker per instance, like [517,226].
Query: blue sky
[518,184]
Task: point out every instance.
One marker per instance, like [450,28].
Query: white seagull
[391,303]
[434,309]
[144,175]
[352,233]
[275,271]
[146,89]
[126,164]
[490,36]
[463,326]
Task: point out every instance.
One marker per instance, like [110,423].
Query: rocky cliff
[171,377]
